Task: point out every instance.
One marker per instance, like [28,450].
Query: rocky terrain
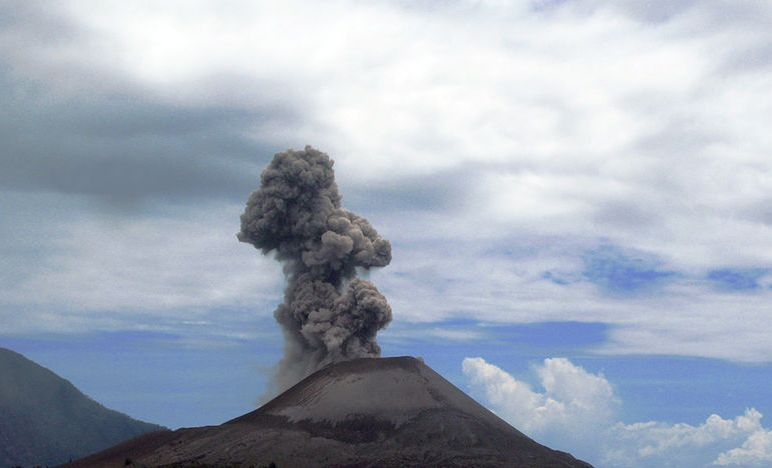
[371,412]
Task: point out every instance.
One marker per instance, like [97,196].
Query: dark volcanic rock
[45,420]
[373,412]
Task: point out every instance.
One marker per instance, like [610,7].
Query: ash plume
[328,314]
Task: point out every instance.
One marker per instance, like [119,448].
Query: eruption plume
[328,314]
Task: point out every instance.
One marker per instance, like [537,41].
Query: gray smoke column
[328,314]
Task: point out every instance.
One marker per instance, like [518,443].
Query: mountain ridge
[45,419]
[379,412]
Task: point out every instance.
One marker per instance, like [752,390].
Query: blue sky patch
[618,271]
[558,278]
[737,279]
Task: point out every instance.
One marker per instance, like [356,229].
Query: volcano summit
[351,408]
[367,412]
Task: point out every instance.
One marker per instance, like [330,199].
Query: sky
[578,195]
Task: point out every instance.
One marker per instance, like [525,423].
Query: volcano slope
[370,412]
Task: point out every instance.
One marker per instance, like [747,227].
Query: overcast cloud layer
[530,161]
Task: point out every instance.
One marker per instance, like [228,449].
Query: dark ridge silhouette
[367,412]
[45,420]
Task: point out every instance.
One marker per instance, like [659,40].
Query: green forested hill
[45,420]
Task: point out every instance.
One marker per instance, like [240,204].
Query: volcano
[369,412]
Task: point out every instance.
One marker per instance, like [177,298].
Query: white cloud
[676,444]
[118,273]
[576,411]
[756,450]
[570,123]
[503,282]
[573,400]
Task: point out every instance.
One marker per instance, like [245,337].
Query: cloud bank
[581,160]
[576,411]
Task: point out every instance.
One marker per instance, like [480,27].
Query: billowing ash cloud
[328,314]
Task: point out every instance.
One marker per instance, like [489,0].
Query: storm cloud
[75,126]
